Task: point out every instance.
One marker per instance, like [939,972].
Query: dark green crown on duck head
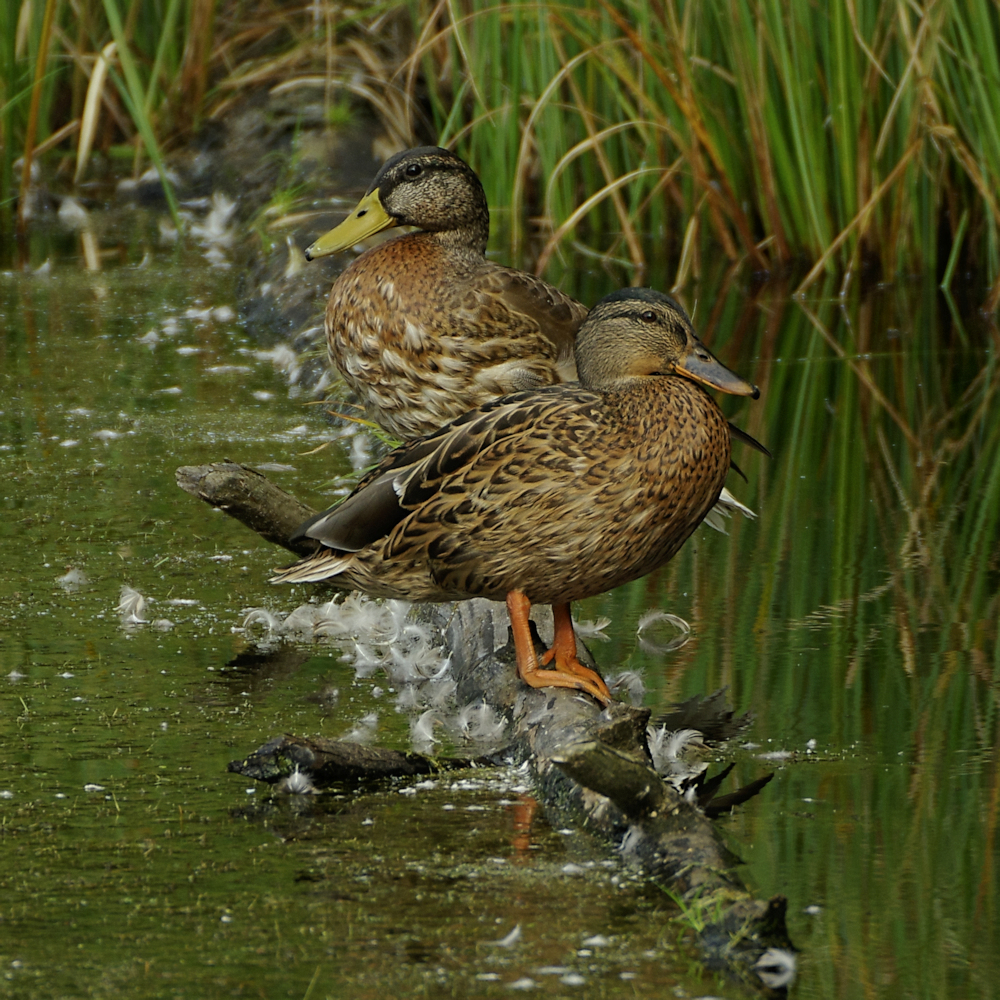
[427,187]
[641,333]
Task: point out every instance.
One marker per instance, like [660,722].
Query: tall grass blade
[956,247]
[133,95]
[847,137]
[8,83]
[608,191]
[860,220]
[194,75]
[32,128]
[91,109]
[166,31]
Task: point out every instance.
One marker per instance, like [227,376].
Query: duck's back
[424,331]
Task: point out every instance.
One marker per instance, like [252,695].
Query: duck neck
[641,397]
[471,236]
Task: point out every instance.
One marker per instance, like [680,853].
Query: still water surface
[856,620]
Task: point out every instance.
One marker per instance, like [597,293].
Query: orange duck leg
[569,672]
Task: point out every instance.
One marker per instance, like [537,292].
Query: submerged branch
[329,762]
[250,497]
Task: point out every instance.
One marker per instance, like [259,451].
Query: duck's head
[427,187]
[640,333]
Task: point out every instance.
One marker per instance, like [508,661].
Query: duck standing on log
[423,327]
[548,495]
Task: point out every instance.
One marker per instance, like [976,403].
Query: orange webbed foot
[569,672]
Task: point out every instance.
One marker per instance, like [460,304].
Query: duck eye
[648,316]
[414,170]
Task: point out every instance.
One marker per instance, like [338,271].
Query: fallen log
[329,762]
[591,767]
[251,498]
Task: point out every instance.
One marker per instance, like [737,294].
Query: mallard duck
[424,327]
[546,495]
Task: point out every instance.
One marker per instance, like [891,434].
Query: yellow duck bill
[367,218]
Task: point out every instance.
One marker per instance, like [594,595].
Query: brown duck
[548,495]
[424,327]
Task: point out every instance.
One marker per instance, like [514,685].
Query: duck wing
[557,315]
[413,473]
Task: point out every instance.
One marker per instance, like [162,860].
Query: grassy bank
[856,136]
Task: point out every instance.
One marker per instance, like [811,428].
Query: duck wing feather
[413,473]
[558,316]
[741,435]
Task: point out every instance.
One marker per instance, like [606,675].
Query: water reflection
[860,611]
[856,619]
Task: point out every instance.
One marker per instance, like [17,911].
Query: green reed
[40,119]
[846,135]
[827,139]
[156,80]
[13,90]
[136,97]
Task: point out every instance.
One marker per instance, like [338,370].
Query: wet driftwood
[329,762]
[251,498]
[591,767]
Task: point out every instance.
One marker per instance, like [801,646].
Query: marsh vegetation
[846,153]
[855,137]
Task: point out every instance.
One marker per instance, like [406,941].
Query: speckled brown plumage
[560,493]
[424,327]
[554,513]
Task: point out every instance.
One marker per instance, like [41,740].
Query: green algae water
[856,619]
